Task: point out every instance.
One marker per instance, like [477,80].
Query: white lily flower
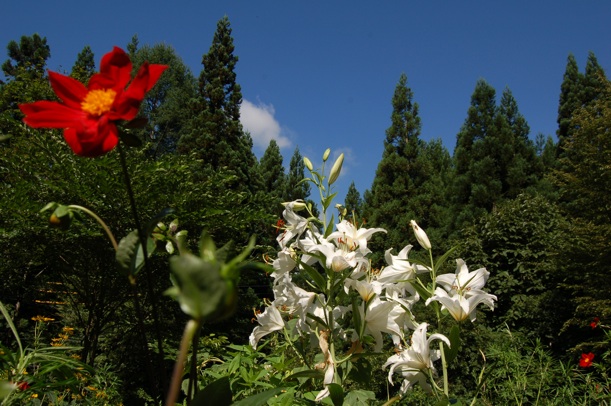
[383,317]
[284,263]
[459,306]
[270,320]
[294,226]
[352,237]
[368,290]
[463,281]
[414,361]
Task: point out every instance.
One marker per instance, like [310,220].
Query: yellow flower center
[99,101]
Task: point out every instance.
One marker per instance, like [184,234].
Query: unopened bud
[308,163]
[63,222]
[296,205]
[336,169]
[421,236]
[325,156]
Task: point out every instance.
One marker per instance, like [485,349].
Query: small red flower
[88,114]
[23,385]
[595,322]
[586,360]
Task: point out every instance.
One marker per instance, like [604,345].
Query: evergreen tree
[577,91]
[294,187]
[166,106]
[84,67]
[353,202]
[494,157]
[30,54]
[26,81]
[399,173]
[215,136]
[570,98]
[520,167]
[272,171]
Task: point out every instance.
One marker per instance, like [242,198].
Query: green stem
[190,329]
[101,222]
[143,243]
[444,365]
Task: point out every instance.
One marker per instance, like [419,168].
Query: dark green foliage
[494,157]
[272,171]
[31,54]
[215,135]
[518,244]
[353,202]
[84,67]
[166,106]
[577,90]
[296,189]
[584,180]
[398,174]
[410,179]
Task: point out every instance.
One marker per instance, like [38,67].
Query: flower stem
[143,243]
[101,222]
[190,329]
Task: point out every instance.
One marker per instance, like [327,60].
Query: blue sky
[321,74]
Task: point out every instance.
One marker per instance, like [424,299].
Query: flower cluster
[344,303]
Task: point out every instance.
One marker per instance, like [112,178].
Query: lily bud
[296,205]
[336,169]
[308,163]
[325,156]
[421,236]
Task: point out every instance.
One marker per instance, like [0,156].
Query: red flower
[88,114]
[595,322]
[23,385]
[586,360]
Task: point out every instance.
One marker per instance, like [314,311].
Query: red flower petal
[128,103]
[48,114]
[117,66]
[95,138]
[71,91]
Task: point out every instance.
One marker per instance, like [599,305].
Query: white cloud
[260,122]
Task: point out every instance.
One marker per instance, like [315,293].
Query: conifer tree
[570,98]
[216,136]
[494,157]
[30,54]
[272,171]
[84,67]
[520,167]
[399,174]
[477,183]
[293,188]
[353,202]
[166,106]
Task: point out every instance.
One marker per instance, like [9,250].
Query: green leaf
[422,291]
[336,393]
[361,371]
[260,399]
[318,279]
[130,254]
[454,337]
[442,259]
[126,251]
[359,397]
[310,373]
[217,393]
[131,140]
